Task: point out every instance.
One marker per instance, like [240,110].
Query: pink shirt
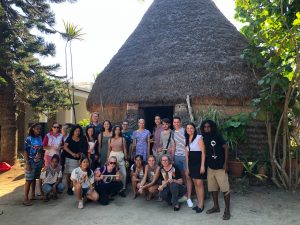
[156,138]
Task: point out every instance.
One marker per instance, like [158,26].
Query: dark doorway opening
[150,112]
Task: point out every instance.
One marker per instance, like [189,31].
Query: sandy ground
[261,205]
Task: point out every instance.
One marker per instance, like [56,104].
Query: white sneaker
[80,204]
[182,199]
[189,203]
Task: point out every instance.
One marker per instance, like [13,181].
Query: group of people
[100,162]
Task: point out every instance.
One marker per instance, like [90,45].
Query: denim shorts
[180,163]
[33,174]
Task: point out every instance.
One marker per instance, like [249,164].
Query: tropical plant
[273,31]
[212,113]
[234,131]
[84,122]
[72,32]
[250,170]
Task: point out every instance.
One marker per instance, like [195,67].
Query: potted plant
[234,131]
[255,178]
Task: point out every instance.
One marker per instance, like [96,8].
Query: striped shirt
[179,140]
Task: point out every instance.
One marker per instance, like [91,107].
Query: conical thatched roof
[180,47]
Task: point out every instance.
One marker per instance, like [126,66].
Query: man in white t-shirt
[179,156]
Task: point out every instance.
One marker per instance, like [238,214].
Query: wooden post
[132,114]
[190,109]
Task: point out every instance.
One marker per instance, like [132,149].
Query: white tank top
[194,146]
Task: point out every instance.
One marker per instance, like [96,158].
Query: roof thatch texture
[180,47]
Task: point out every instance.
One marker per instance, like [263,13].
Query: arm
[124,148]
[173,150]
[145,176]
[148,146]
[108,148]
[98,176]
[187,158]
[118,176]
[155,178]
[68,150]
[226,149]
[45,142]
[99,146]
[203,156]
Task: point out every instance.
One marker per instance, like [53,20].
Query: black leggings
[107,189]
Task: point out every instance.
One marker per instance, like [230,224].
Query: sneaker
[80,204]
[182,199]
[189,203]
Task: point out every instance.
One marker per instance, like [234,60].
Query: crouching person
[83,182]
[172,187]
[51,177]
[108,181]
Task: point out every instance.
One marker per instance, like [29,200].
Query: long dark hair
[31,131]
[213,127]
[88,170]
[77,126]
[110,126]
[187,137]
[87,135]
[114,131]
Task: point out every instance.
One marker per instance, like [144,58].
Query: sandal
[226,216]
[27,203]
[213,210]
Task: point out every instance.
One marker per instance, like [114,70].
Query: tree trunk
[8,151]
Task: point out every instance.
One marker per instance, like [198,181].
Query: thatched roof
[180,47]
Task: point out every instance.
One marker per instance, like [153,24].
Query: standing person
[92,146]
[94,122]
[108,181]
[83,180]
[52,143]
[33,156]
[216,160]
[156,134]
[103,138]
[127,133]
[51,177]
[166,140]
[149,183]
[75,147]
[117,148]
[141,140]
[172,187]
[137,174]
[179,156]
[195,161]
[65,134]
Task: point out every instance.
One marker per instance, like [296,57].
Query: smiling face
[90,131]
[151,161]
[85,164]
[207,128]
[177,123]
[117,131]
[54,163]
[165,126]
[141,123]
[77,132]
[95,118]
[112,162]
[190,130]
[138,162]
[106,125]
[165,161]
[157,120]
[37,130]
[55,128]
[125,125]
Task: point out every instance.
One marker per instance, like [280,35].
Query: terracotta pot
[262,170]
[235,168]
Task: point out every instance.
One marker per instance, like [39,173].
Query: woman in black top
[74,147]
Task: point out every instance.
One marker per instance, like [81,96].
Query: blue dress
[141,138]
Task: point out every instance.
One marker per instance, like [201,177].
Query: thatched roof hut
[180,48]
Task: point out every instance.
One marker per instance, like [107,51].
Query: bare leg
[188,182]
[78,191]
[68,179]
[216,207]
[200,192]
[33,184]
[227,215]
[93,195]
[26,190]
[134,183]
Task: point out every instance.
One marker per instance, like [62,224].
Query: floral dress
[141,138]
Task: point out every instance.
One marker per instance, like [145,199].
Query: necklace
[213,143]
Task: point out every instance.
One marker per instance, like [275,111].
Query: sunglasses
[56,127]
[112,163]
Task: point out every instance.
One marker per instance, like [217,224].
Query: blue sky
[106,24]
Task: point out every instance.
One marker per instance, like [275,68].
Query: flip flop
[27,203]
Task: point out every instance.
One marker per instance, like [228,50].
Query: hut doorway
[150,112]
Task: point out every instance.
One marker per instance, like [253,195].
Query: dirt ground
[261,205]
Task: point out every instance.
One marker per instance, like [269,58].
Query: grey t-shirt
[164,138]
[179,140]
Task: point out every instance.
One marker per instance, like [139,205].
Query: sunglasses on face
[112,163]
[56,127]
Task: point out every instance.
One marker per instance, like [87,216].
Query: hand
[202,170]
[118,177]
[160,188]
[225,167]
[101,177]
[171,181]
[27,167]
[54,188]
[140,190]
[83,178]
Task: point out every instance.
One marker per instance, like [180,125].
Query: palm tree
[72,32]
